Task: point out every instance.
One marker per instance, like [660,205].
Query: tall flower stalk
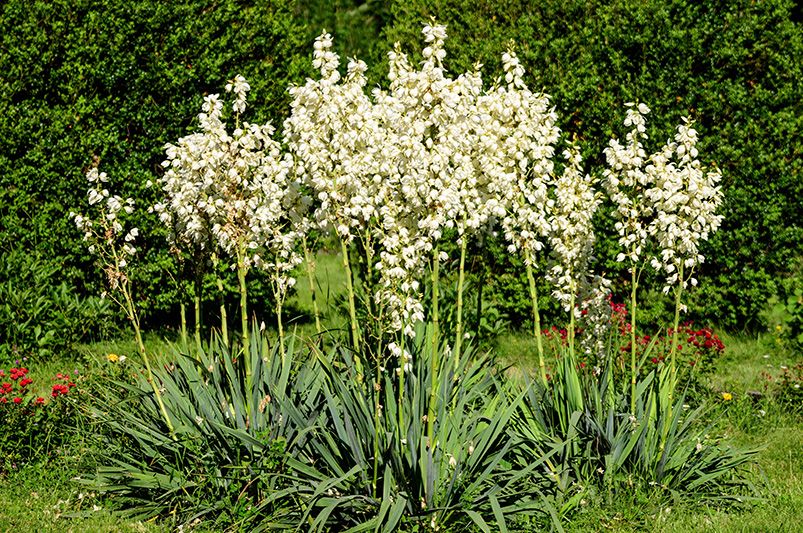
[524,169]
[224,319]
[571,237]
[666,200]
[309,264]
[114,248]
[626,183]
[234,193]
[461,275]
[685,197]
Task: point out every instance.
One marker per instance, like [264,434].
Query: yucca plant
[228,461]
[381,472]
[668,445]
[662,445]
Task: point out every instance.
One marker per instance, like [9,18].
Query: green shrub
[114,81]
[374,468]
[40,314]
[663,444]
[227,463]
[733,66]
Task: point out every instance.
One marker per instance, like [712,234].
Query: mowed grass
[47,498]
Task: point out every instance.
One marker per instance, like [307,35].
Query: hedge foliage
[734,66]
[113,81]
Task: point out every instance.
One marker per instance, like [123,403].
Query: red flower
[17,399]
[25,382]
[40,401]
[59,389]
[4,400]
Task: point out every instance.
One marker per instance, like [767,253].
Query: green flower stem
[572,326]
[435,359]
[570,366]
[197,335]
[183,310]
[355,336]
[224,322]
[132,316]
[241,271]
[400,392]
[197,303]
[377,408]
[536,317]
[478,315]
[458,341]
[673,350]
[311,278]
[369,279]
[279,301]
[633,287]
[281,329]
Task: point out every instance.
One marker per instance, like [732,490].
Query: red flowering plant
[696,351]
[32,425]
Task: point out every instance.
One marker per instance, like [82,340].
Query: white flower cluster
[521,149]
[429,153]
[233,192]
[334,136]
[667,197]
[595,314]
[105,233]
[625,182]
[571,234]
[685,198]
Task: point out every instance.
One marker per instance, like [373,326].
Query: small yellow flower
[113,357]
[727,396]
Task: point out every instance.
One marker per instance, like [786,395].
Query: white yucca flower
[104,229]
[626,181]
[240,87]
[520,146]
[667,197]
[594,297]
[685,198]
[571,232]
[233,191]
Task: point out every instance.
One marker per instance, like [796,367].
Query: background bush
[733,66]
[40,314]
[114,81]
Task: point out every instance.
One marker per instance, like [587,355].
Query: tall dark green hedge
[734,66]
[115,81]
